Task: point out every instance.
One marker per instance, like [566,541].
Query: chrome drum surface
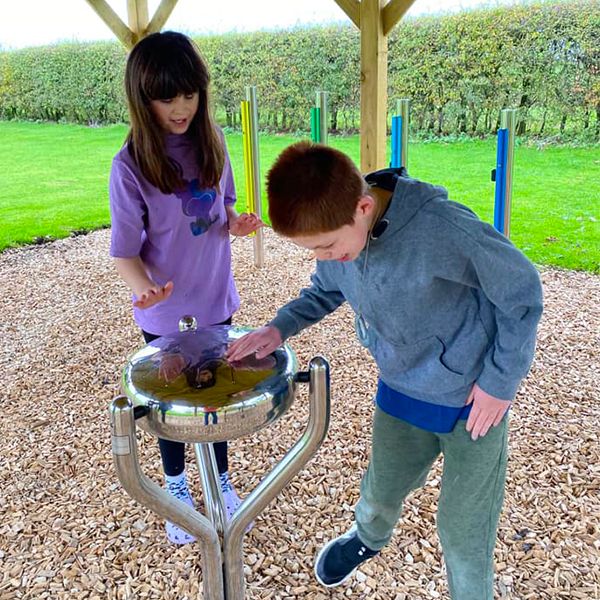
[188,392]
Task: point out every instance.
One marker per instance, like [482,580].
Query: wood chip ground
[69,531]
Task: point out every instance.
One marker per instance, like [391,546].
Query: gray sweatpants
[471,496]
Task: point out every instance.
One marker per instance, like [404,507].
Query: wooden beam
[113,21]
[373,88]
[393,12]
[352,9]
[162,13]
[137,15]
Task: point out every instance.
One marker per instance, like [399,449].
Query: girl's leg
[221,456]
[221,447]
[173,457]
[173,460]
[471,499]
[172,453]
[401,457]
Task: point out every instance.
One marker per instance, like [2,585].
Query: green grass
[55,181]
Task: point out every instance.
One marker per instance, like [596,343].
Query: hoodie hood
[408,198]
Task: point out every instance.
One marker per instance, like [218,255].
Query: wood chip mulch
[69,531]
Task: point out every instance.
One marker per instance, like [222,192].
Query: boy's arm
[311,306]
[512,284]
[313,303]
[491,263]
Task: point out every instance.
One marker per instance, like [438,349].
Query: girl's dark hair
[191,375]
[313,189]
[160,67]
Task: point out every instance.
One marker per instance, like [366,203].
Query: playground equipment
[319,116]
[243,398]
[503,173]
[249,112]
[400,126]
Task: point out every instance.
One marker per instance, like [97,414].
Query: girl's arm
[134,274]
[241,225]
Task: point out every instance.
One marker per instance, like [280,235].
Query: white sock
[177,486]
[176,479]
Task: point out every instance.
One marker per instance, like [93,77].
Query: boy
[448,308]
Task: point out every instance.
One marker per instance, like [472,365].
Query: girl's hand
[261,343]
[244,224]
[487,411]
[153,295]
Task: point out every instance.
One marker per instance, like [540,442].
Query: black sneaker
[340,557]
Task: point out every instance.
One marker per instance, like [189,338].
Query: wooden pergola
[374,18]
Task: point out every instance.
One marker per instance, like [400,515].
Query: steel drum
[183,389]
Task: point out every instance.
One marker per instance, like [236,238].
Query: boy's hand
[487,411]
[153,295]
[244,224]
[261,343]
[170,367]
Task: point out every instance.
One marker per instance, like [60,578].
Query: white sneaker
[179,489]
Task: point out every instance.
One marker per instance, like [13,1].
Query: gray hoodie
[449,301]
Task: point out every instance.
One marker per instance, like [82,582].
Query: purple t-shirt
[181,237]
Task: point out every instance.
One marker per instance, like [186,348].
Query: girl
[172,209]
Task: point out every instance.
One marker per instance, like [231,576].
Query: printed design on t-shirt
[197,202]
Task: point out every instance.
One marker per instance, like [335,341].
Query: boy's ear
[365,206]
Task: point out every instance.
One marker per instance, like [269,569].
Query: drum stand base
[221,541]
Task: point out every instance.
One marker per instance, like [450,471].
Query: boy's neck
[382,200]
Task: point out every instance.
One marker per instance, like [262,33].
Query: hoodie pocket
[418,367]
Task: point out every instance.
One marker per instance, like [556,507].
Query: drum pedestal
[221,542]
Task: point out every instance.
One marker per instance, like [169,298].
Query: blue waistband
[425,415]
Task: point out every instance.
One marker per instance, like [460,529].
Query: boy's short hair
[313,189]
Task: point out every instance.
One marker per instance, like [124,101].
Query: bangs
[168,79]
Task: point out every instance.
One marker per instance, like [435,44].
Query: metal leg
[211,487]
[147,493]
[278,478]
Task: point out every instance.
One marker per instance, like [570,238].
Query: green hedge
[459,71]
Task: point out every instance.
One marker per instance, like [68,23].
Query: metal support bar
[149,494]
[211,488]
[499,177]
[279,477]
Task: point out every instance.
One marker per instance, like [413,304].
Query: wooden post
[137,15]
[375,19]
[373,93]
